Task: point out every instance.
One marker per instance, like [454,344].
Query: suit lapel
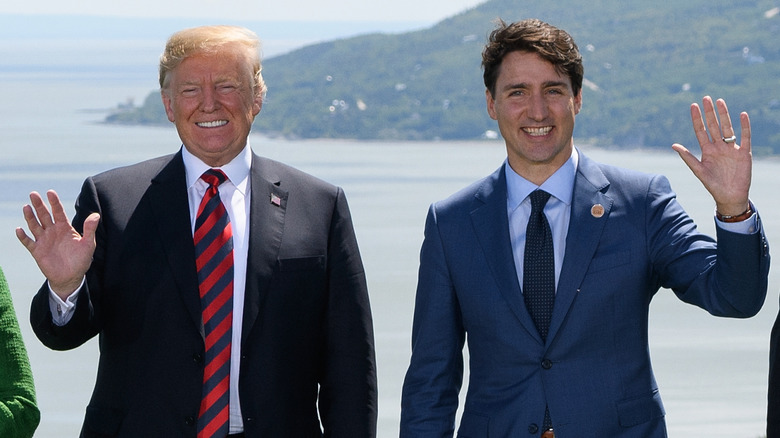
[168,198]
[491,226]
[268,206]
[582,238]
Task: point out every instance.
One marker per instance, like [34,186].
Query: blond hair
[188,42]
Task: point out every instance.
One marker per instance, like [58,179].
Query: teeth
[538,131]
[214,124]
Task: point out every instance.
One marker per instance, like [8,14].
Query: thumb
[90,226]
[690,160]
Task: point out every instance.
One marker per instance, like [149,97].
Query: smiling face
[211,99]
[535,108]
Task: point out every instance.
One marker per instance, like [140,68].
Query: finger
[32,222]
[44,217]
[57,210]
[726,129]
[35,198]
[698,125]
[711,119]
[25,239]
[744,122]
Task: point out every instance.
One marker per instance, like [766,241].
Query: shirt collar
[560,184]
[237,170]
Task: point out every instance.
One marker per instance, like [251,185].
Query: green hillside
[645,62]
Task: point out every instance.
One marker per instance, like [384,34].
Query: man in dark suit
[558,344]
[773,402]
[265,330]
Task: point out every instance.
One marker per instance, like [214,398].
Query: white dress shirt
[235,195]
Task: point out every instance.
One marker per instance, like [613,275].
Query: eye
[226,88]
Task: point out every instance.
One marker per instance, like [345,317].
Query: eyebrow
[216,80]
[547,84]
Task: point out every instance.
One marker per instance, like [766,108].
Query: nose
[210,103]
[537,107]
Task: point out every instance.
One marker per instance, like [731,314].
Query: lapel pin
[597,210]
[275,200]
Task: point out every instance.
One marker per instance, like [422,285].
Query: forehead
[529,68]
[226,61]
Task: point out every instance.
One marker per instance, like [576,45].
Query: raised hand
[62,254]
[726,166]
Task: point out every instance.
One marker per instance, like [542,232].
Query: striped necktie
[214,260]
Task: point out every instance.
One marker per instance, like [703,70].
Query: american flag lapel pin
[275,200]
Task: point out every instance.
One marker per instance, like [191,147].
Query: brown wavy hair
[532,35]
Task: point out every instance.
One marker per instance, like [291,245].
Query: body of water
[712,371]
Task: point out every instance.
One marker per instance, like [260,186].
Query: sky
[282,10]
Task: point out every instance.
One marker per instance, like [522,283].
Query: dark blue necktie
[539,272]
[539,265]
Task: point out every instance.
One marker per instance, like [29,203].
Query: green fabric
[19,415]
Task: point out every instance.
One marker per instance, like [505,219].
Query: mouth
[538,131]
[212,124]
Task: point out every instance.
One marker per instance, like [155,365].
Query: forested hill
[645,63]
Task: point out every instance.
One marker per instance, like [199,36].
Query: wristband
[737,218]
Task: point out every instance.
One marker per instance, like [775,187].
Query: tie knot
[538,200]
[214,177]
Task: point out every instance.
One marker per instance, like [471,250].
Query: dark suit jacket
[594,369]
[773,406]
[307,339]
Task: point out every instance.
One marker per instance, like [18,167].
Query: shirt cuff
[62,311]
[748,226]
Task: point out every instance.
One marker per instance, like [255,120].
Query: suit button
[189,421]
[533,428]
[547,364]
[197,358]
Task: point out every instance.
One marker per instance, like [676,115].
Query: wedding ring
[731,139]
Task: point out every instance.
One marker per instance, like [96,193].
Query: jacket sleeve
[19,415]
[435,374]
[727,278]
[348,394]
[83,325]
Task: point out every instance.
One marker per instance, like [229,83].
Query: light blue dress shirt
[558,211]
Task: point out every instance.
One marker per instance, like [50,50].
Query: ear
[490,105]
[257,104]
[166,99]
[578,102]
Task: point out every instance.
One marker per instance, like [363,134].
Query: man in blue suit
[618,236]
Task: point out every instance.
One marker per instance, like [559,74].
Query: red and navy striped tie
[214,259]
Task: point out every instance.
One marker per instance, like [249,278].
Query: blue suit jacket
[594,370]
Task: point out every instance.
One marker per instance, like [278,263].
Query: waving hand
[725,167]
[62,254]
